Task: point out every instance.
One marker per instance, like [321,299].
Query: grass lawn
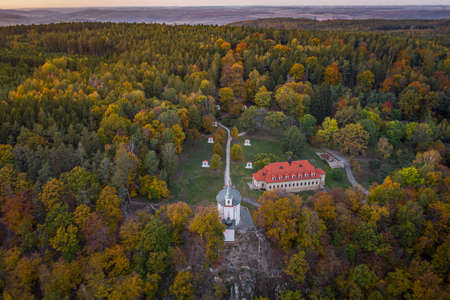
[194,184]
[240,176]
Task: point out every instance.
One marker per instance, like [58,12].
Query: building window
[274,178]
[313,174]
[306,175]
[280,177]
[287,177]
[299,176]
[293,176]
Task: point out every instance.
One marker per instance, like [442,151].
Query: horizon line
[244,5]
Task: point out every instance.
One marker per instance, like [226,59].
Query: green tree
[169,158]
[151,162]
[307,124]
[363,276]
[294,141]
[275,119]
[155,236]
[83,184]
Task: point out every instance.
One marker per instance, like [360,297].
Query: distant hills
[223,15]
[440,25]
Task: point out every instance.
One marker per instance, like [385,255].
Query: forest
[95,116]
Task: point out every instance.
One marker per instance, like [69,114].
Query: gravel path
[227,177]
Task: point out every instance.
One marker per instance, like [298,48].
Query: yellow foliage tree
[108,206]
[236,152]
[182,287]
[52,193]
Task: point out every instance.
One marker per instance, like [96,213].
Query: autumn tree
[6,155]
[108,206]
[290,101]
[66,241]
[218,149]
[366,80]
[182,287]
[297,267]
[52,193]
[153,188]
[17,211]
[324,205]
[236,152]
[216,162]
[332,75]
[178,214]
[352,139]
[234,132]
[384,148]
[263,97]
[297,71]
[279,216]
[327,134]
[220,136]
[207,224]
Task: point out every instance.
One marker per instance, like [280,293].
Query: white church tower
[229,208]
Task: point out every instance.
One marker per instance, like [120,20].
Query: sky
[8,4]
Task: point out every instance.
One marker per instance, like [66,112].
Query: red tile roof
[292,171]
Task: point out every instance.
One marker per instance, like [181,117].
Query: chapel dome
[235,195]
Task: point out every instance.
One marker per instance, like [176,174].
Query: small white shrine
[249,165]
[205,164]
[247,142]
[215,124]
[218,107]
[210,140]
[229,208]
